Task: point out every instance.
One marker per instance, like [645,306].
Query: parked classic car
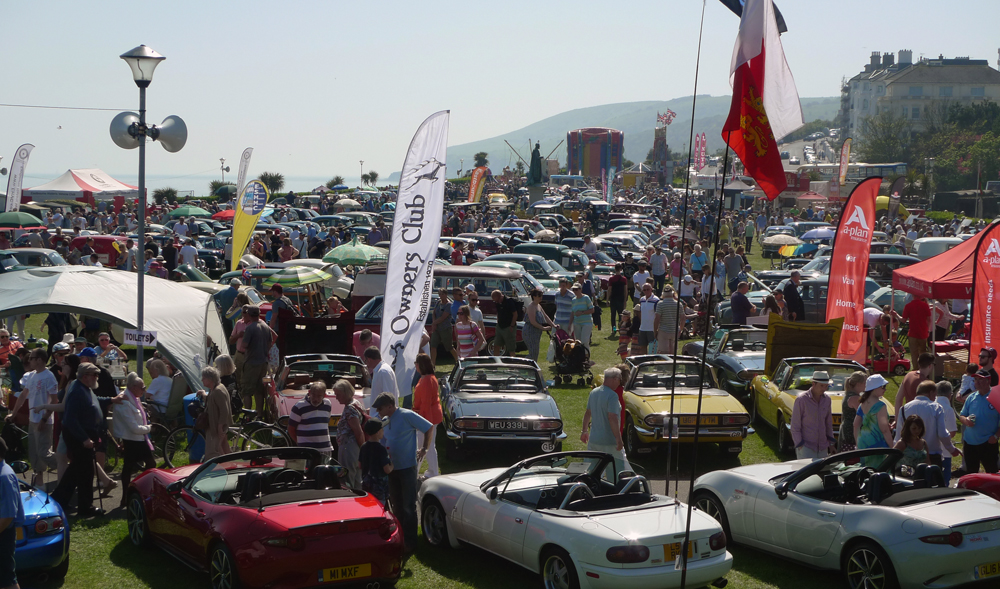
[301,370]
[276,517]
[736,355]
[649,387]
[567,517]
[774,395]
[880,530]
[489,400]
[42,542]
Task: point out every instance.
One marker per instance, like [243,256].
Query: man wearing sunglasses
[7,347]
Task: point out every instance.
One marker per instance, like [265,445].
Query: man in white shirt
[38,388]
[57,219]
[639,279]
[658,268]
[589,247]
[131,255]
[935,430]
[383,378]
[188,254]
[180,228]
[647,314]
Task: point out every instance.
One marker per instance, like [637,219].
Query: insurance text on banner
[849,265]
[16,177]
[986,290]
[416,232]
[249,205]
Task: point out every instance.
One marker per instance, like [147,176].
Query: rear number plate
[672,551]
[507,424]
[990,569]
[356,571]
[705,420]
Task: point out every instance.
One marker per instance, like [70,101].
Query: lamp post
[362,168]
[129,131]
[461,166]
[224,168]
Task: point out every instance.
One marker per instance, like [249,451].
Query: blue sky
[315,87]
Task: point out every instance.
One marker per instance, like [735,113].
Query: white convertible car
[853,512]
[566,516]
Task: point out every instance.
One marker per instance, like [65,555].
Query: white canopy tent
[186,320]
[90,183]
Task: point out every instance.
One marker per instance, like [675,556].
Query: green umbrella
[189,211]
[19,220]
[354,254]
[296,276]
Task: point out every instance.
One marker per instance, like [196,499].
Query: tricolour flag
[416,232]
[849,265]
[765,102]
[16,177]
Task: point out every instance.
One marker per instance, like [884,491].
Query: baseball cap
[87,352]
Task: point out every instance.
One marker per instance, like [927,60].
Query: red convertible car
[985,483]
[275,518]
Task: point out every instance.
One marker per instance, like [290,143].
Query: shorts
[646,337]
[40,447]
[442,336]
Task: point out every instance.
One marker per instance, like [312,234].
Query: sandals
[108,488]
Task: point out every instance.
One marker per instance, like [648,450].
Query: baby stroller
[572,359]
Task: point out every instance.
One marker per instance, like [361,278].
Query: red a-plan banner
[986,291]
[849,265]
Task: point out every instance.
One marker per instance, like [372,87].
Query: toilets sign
[134,337]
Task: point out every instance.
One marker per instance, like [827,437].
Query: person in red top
[7,347]
[427,404]
[918,313]
[908,388]
[456,255]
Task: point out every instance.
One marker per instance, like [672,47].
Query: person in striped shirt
[564,306]
[309,421]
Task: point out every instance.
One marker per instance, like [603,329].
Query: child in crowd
[375,462]
[944,394]
[968,381]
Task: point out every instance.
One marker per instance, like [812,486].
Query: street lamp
[461,167]
[224,168]
[128,131]
[362,167]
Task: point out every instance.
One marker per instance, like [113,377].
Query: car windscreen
[494,379]
[821,265]
[749,339]
[336,369]
[554,266]
[657,377]
[8,262]
[802,376]
[220,481]
[548,470]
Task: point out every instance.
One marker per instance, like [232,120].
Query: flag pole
[684,213]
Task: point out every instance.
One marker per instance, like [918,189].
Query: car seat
[623,478]
[255,485]
[831,482]
[325,477]
[879,487]
[928,476]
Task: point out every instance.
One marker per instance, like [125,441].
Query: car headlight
[745,375]
[465,423]
[655,420]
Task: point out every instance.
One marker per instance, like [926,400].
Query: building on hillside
[921,92]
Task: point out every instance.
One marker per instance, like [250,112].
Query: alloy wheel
[556,573]
[865,570]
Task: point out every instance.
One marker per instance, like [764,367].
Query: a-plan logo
[992,255]
[851,229]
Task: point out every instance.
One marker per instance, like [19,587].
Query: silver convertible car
[855,512]
[489,400]
[568,517]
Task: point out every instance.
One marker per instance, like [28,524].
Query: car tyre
[710,504]
[495,349]
[866,566]
[222,569]
[632,441]
[558,570]
[435,523]
[136,521]
[60,570]
[785,444]
[899,370]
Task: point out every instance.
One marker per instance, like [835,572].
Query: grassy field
[102,556]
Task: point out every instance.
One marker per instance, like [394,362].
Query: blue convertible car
[43,541]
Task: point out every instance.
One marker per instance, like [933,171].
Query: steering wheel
[288,477]
[758,345]
[588,480]
[863,476]
[576,490]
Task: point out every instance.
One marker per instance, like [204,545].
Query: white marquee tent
[91,183]
[186,320]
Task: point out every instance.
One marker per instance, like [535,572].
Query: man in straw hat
[812,420]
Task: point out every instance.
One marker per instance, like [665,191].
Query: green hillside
[635,119]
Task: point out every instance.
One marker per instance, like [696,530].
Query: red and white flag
[765,102]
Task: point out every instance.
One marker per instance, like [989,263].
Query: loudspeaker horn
[3,171]
[226,168]
[119,130]
[173,134]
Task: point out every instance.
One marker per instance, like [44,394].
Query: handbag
[273,358]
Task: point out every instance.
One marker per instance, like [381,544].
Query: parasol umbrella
[354,253]
[19,220]
[189,211]
[347,203]
[820,233]
[782,239]
[226,215]
[296,276]
[789,251]
[547,235]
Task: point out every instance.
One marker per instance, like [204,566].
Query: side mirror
[19,467]
[492,493]
[175,488]
[781,490]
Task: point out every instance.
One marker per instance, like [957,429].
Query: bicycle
[186,445]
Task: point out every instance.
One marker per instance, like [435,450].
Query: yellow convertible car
[650,386]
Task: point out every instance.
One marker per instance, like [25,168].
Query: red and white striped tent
[88,185]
